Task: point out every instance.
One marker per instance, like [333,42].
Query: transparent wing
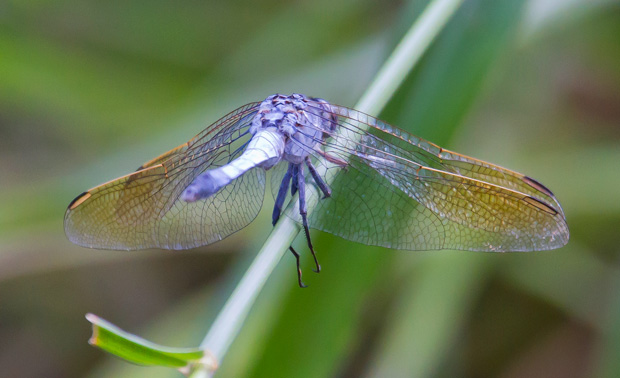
[400,191]
[143,209]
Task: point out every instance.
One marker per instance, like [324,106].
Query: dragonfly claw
[301,283]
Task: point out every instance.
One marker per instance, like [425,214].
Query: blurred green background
[89,90]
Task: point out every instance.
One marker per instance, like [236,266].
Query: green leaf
[135,349]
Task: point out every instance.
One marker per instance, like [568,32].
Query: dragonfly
[379,185]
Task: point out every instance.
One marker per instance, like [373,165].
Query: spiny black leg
[277,209]
[301,184]
[295,179]
[301,284]
[327,192]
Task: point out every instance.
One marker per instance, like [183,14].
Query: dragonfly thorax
[303,122]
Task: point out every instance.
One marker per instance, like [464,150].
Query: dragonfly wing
[366,208]
[143,209]
[402,192]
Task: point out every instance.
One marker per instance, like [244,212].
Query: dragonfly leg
[332,159]
[295,179]
[301,283]
[277,208]
[303,211]
[327,192]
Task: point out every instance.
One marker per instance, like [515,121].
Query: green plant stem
[396,68]
[406,55]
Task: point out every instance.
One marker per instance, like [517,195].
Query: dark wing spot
[540,204]
[538,186]
[78,200]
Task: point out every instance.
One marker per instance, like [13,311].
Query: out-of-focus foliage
[90,90]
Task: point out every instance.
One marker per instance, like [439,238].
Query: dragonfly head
[279,112]
[286,113]
[272,119]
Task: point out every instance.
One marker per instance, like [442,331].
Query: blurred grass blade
[609,363]
[444,87]
[434,305]
[134,349]
[547,14]
[570,289]
[431,313]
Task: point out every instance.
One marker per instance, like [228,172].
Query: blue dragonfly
[391,188]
